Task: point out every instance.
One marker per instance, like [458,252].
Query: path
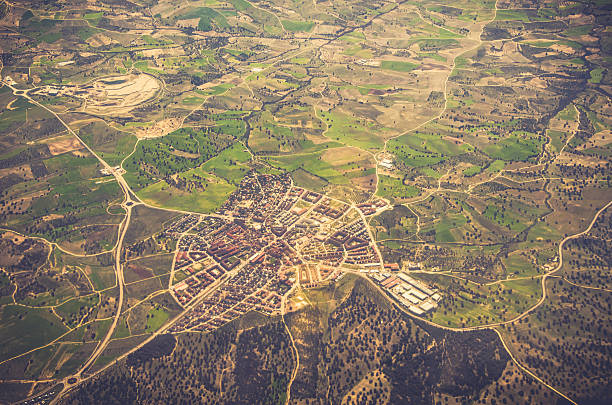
[295,350]
[526,370]
[129,203]
[523,314]
[494,326]
[56,245]
[445,91]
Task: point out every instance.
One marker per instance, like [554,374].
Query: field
[394,188]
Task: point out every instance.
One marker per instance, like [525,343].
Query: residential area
[269,237]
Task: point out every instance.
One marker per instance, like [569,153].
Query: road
[494,326]
[527,371]
[128,204]
[479,42]
[524,314]
[131,200]
[295,350]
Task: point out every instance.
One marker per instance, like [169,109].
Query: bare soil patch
[118,94]
[160,128]
[64,145]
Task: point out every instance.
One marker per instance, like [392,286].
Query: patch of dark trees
[33,254]
[107,24]
[160,346]
[8,181]
[114,387]
[257,384]
[37,129]
[256,365]
[39,169]
[465,364]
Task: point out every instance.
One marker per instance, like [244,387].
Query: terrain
[305,201]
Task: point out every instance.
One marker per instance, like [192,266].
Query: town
[269,237]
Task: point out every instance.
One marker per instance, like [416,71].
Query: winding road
[131,200]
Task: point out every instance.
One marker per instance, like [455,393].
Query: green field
[521,15]
[517,147]
[209,18]
[102,277]
[496,166]
[310,162]
[398,66]
[423,149]
[504,217]
[557,139]
[578,30]
[23,329]
[303,178]
[75,190]
[143,66]
[445,226]
[73,310]
[596,75]
[517,265]
[111,145]
[156,318]
[298,26]
[391,187]
[215,90]
[174,153]
[229,164]
[352,131]
[542,231]
[160,194]
[472,171]
[474,305]
[353,37]
[568,113]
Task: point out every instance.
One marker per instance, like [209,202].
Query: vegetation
[395,188]
[174,153]
[471,139]
[298,26]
